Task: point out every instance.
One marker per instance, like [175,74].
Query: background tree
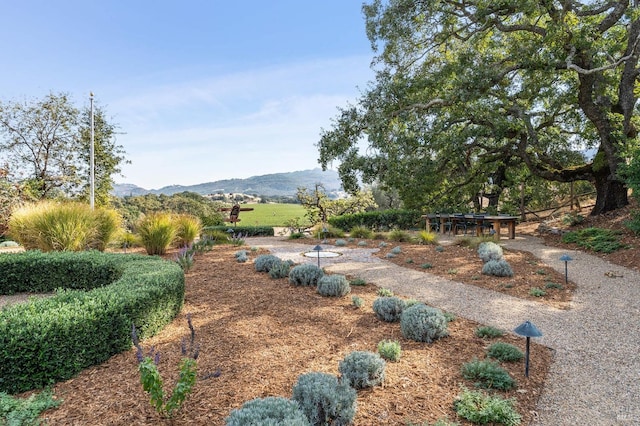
[466,91]
[320,207]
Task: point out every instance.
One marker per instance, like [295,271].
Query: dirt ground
[262,333]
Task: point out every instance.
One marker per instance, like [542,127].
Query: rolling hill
[280,184]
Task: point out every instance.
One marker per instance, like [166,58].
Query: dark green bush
[504,352]
[361,232]
[633,224]
[488,332]
[483,409]
[324,400]
[268,411]
[362,369]
[595,239]
[247,231]
[380,220]
[488,374]
[52,339]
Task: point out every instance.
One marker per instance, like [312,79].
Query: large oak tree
[467,90]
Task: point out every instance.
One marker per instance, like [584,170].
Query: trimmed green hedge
[52,339]
[247,231]
[380,220]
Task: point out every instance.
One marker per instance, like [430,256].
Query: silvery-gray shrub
[280,269]
[264,262]
[305,274]
[268,411]
[423,323]
[389,309]
[488,250]
[362,369]
[498,268]
[324,400]
[334,285]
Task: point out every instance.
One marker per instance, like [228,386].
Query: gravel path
[595,379]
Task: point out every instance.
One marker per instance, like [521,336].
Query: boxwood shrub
[247,231]
[98,298]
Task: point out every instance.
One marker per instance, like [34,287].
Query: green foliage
[399,236]
[185,258]
[326,231]
[361,369]
[504,352]
[379,220]
[358,282]
[306,274]
[360,231]
[324,400]
[479,408]
[333,285]
[396,250]
[188,228]
[25,412]
[156,231]
[488,374]
[384,292]
[216,236]
[572,219]
[553,285]
[389,350]
[276,215]
[152,381]
[428,237]
[595,239]
[488,332]
[247,231]
[265,262]
[357,301]
[268,411]
[537,292]
[633,224]
[389,309]
[51,226]
[423,323]
[497,268]
[105,294]
[489,251]
[280,269]
[426,266]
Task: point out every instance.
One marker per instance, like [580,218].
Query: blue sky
[203,90]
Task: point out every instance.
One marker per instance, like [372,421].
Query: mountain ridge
[274,184]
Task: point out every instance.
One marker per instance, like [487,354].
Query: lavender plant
[152,381]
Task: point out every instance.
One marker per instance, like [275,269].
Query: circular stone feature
[322,254]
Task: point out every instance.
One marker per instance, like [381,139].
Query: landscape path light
[528,330]
[566,258]
[318,249]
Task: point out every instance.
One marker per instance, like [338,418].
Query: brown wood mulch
[262,333]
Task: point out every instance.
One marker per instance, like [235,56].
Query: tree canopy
[470,95]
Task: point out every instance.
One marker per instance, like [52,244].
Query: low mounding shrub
[479,408]
[334,285]
[324,400]
[247,231]
[423,323]
[305,274]
[268,411]
[156,231]
[280,269]
[488,332]
[428,237]
[327,231]
[362,369]
[490,251]
[488,374]
[389,309]
[52,339]
[498,268]
[379,220]
[265,262]
[504,352]
[596,239]
[188,228]
[389,350]
[399,236]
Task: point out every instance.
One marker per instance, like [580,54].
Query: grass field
[270,214]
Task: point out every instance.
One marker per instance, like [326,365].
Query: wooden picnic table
[451,220]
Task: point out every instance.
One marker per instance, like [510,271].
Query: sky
[201,90]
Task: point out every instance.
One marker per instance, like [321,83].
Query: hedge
[380,220]
[246,231]
[89,319]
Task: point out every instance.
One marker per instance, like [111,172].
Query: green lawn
[270,214]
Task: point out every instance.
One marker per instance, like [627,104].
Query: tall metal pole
[92,178]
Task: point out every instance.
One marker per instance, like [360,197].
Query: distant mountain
[281,184]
